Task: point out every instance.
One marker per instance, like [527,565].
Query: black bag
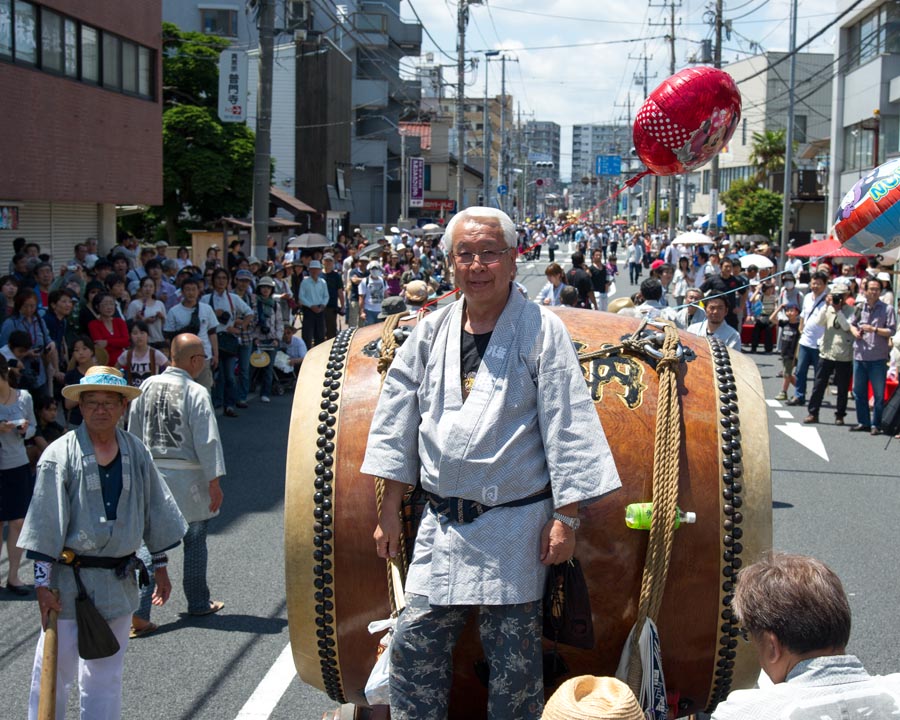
[95,638]
[567,606]
[890,416]
[193,327]
[228,343]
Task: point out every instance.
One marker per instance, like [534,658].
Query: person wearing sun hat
[97,497]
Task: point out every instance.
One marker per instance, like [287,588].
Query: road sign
[608,165]
[539,182]
[502,190]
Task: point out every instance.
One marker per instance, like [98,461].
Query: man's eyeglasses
[108,405]
[488,257]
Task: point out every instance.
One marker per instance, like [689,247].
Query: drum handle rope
[395,567]
[666,469]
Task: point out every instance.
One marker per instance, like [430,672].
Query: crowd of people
[829,322]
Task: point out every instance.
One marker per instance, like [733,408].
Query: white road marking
[784,414]
[808,437]
[268,693]
[773,403]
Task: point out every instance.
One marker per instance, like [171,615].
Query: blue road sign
[502,189]
[608,165]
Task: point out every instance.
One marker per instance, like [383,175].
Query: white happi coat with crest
[528,421]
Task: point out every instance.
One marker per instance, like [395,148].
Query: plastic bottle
[639,515]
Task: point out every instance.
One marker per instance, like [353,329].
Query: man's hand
[163,586]
[47,601]
[215,495]
[387,535]
[557,543]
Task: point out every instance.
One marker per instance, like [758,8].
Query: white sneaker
[265,399]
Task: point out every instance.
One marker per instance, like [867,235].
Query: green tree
[751,210]
[207,164]
[767,152]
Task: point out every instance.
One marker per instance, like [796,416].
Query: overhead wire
[428,34]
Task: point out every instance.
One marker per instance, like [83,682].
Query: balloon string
[631,182]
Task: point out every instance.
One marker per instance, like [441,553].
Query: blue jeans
[372,317]
[225,391]
[244,372]
[865,372]
[194,581]
[807,358]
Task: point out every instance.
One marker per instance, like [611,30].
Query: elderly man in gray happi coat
[490,392]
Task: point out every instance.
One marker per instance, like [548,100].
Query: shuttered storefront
[56,227]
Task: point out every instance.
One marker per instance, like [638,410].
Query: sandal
[214,607]
[148,629]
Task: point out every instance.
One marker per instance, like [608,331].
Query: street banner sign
[416,182]
[608,165]
[233,86]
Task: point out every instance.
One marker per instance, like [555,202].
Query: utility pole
[789,142]
[673,200]
[502,175]
[462,17]
[262,163]
[486,141]
[404,179]
[642,80]
[714,168]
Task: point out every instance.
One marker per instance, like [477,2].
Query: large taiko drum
[336,584]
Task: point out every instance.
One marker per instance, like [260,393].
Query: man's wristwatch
[572,522]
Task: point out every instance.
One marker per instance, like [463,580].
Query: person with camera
[16,425]
[192,316]
[233,315]
[43,351]
[763,303]
[835,353]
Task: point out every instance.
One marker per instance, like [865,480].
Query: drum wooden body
[336,584]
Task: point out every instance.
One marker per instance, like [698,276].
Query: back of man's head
[651,289]
[798,599]
[577,259]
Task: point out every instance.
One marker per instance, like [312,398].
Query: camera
[224,316]
[837,299]
[264,329]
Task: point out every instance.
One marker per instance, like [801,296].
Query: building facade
[866,91]
[83,127]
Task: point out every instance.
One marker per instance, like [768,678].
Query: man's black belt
[460,510]
[122,565]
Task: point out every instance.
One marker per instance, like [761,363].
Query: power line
[425,30]
[569,46]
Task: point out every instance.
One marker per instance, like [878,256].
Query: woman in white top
[183,258]
[17,423]
[682,280]
[549,294]
[146,308]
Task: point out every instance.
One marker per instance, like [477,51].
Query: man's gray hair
[481,215]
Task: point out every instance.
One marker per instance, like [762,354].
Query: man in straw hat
[795,613]
[174,417]
[506,443]
[98,496]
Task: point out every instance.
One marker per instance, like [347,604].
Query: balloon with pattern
[687,120]
[868,219]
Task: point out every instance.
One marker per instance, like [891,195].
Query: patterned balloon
[868,220]
[687,120]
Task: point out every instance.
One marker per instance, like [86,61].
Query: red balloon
[687,120]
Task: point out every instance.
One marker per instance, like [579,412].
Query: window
[877,33]
[112,63]
[427,180]
[90,54]
[70,44]
[26,32]
[145,72]
[51,41]
[219,22]
[6,36]
[129,67]
[858,147]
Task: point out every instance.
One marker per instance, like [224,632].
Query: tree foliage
[752,210]
[207,164]
[767,152]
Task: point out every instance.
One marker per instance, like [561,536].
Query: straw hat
[593,698]
[101,378]
[620,304]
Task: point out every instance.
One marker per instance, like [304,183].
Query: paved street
[840,509]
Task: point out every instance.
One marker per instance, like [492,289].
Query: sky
[576,60]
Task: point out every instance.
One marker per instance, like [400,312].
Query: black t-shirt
[472,349]
[335,282]
[790,336]
[598,278]
[717,284]
[581,281]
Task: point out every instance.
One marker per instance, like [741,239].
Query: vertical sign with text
[233,86]
[416,181]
